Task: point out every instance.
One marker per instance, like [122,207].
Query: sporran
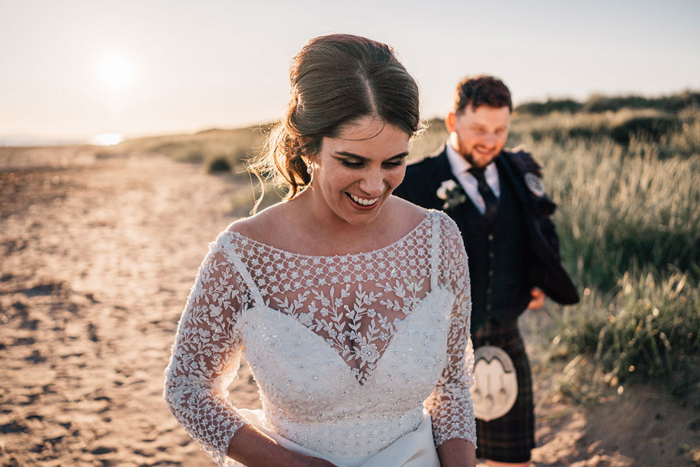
[496,385]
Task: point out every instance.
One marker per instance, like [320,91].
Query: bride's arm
[205,359]
[450,404]
[457,452]
[254,448]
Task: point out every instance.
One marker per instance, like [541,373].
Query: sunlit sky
[73,68]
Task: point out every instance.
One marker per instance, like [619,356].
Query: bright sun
[116,71]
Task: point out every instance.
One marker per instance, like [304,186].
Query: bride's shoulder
[407,211]
[259,226]
[413,214]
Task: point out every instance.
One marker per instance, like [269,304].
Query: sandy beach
[98,252]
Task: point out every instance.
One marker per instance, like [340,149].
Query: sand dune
[97,256]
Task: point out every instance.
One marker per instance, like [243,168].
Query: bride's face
[355,173]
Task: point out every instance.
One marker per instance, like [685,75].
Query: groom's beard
[469,157]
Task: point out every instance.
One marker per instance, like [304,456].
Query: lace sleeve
[450,404]
[206,356]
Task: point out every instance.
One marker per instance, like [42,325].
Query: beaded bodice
[347,350]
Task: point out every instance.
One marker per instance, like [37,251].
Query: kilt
[511,437]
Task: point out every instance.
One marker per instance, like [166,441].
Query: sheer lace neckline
[356,302]
[427,218]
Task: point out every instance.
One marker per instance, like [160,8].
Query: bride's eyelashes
[354,164]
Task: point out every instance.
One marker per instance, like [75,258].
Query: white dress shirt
[460,169]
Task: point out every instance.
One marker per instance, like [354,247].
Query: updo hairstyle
[336,80]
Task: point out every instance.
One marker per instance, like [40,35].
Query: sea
[102,139]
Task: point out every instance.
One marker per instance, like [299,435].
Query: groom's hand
[538,298]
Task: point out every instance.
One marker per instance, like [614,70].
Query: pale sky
[192,65]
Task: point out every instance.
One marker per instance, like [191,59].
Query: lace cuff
[207,417]
[453,410]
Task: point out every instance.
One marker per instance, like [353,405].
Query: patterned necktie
[485,191]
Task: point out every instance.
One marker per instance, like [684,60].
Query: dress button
[490,237]
[491,272]
[492,254]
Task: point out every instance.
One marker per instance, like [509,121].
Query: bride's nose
[372,183]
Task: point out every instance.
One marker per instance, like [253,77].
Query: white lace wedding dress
[361,359]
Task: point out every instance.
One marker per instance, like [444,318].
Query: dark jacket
[545,271]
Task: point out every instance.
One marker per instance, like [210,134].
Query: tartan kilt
[511,437]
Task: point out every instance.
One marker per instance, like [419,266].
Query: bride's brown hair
[335,80]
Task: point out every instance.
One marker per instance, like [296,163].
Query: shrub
[649,329]
[544,108]
[218,164]
[674,103]
[600,104]
[651,127]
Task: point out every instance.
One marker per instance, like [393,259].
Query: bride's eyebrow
[364,159]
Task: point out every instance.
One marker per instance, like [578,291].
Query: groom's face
[479,135]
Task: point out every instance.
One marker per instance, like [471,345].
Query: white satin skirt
[414,449]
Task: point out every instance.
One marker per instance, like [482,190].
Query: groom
[497,199]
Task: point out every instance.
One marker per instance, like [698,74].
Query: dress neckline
[430,213]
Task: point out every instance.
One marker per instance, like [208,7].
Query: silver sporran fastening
[496,383]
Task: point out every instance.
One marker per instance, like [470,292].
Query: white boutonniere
[452,193]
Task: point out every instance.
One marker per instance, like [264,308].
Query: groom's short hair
[481,90]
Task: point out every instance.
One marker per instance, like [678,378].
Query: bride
[351,306]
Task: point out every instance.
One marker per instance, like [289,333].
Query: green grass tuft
[647,329]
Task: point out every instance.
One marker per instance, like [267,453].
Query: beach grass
[647,329]
[629,228]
